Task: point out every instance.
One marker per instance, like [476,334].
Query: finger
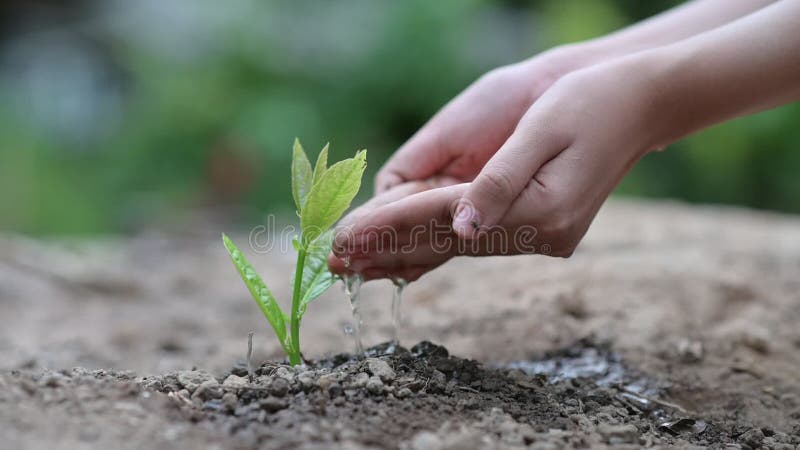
[408,274]
[419,158]
[506,174]
[422,254]
[398,219]
[396,193]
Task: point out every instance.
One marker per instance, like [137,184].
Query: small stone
[381,369]
[403,393]
[375,386]
[235,382]
[426,441]
[438,380]
[279,387]
[361,380]
[306,380]
[617,434]
[753,438]
[240,369]
[326,380]
[756,338]
[283,372]
[272,404]
[335,390]
[208,390]
[690,351]
[229,401]
[192,379]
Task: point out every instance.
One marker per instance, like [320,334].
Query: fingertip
[466,219]
[336,265]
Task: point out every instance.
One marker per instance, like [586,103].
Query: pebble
[426,441]
[381,369]
[753,437]
[375,386]
[325,381]
[283,372]
[306,380]
[438,377]
[403,393]
[361,380]
[757,339]
[335,390]
[279,387]
[235,382]
[229,401]
[272,404]
[618,434]
[192,379]
[208,390]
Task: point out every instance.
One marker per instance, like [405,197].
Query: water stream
[397,300]
[352,286]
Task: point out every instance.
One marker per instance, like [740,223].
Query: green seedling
[321,195]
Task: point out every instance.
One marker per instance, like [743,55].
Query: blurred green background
[117,116]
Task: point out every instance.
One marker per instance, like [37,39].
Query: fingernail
[465,219]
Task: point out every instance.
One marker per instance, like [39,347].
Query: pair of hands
[520,162]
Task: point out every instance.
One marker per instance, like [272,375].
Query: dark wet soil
[583,396]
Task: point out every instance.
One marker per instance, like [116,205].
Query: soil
[671,327]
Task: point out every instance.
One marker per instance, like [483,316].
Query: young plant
[321,195]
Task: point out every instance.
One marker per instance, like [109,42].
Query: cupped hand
[537,194]
[464,135]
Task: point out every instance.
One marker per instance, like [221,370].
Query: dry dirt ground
[702,302]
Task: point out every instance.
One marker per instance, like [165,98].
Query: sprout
[321,195]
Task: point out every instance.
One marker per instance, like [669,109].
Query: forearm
[747,66]
[676,24]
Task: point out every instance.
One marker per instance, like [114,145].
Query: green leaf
[261,294]
[316,276]
[322,164]
[301,175]
[331,196]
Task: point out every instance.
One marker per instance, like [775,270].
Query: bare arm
[464,135]
[747,66]
[674,25]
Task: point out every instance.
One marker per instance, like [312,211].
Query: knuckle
[499,77]
[497,184]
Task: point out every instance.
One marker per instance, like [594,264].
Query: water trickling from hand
[397,299]
[352,286]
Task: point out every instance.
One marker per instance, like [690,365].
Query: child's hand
[566,155]
[538,193]
[461,137]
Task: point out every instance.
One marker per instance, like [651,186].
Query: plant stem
[294,356]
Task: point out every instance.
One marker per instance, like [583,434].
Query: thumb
[503,178]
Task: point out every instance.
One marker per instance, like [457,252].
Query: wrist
[544,69]
[671,110]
